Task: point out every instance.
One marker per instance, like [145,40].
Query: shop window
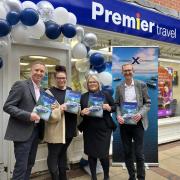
[50,63]
[168,99]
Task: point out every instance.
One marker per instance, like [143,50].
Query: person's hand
[85,111]
[34,117]
[120,119]
[106,107]
[137,117]
[54,106]
[63,107]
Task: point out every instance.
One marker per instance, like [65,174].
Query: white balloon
[82,65]
[60,15]
[14,5]
[3,11]
[19,32]
[46,10]
[72,18]
[29,4]
[3,46]
[90,39]
[79,51]
[105,78]
[80,33]
[36,31]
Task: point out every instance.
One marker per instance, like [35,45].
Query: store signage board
[123,18]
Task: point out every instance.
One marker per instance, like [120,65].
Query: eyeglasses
[127,70]
[92,82]
[60,78]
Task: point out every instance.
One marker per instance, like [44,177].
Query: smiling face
[127,71]
[37,73]
[61,79]
[93,85]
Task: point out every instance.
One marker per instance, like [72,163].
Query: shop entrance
[18,68]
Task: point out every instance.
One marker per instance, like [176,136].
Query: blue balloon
[96,59]
[5,28]
[29,17]
[108,89]
[13,17]
[1,63]
[100,68]
[53,30]
[69,30]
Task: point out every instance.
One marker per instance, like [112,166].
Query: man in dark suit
[25,127]
[133,92]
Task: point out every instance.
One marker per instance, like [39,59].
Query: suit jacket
[142,97]
[19,105]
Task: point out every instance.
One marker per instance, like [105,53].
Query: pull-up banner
[122,17]
[145,64]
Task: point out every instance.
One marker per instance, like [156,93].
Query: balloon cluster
[28,19]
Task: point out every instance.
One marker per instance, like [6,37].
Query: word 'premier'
[118,19]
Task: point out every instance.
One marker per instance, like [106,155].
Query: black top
[70,119]
[97,131]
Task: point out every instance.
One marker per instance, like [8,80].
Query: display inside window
[166,103]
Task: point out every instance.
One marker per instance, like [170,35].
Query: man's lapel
[31,87]
[136,91]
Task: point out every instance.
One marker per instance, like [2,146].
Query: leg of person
[92,165]
[32,154]
[139,151]
[22,151]
[105,165]
[52,159]
[126,137]
[62,160]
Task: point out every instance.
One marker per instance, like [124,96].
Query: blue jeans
[25,155]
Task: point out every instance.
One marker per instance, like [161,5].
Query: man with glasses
[132,97]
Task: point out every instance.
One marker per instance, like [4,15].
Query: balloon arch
[32,20]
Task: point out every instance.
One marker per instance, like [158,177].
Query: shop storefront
[115,24]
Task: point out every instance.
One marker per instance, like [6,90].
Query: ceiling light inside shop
[24,64]
[169,60]
[37,57]
[50,65]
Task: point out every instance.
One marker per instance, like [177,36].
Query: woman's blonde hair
[95,77]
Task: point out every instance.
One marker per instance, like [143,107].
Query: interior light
[50,65]
[24,64]
[37,57]
[169,60]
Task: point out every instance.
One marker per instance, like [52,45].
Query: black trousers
[135,133]
[57,161]
[105,165]
[25,155]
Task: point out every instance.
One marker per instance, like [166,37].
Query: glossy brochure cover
[72,101]
[129,109]
[95,104]
[43,106]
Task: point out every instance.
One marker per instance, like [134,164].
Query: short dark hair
[59,68]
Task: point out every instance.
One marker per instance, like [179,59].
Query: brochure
[43,106]
[72,101]
[129,109]
[95,104]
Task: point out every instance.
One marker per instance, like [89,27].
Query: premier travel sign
[121,17]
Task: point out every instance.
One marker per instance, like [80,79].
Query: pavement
[169,167]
